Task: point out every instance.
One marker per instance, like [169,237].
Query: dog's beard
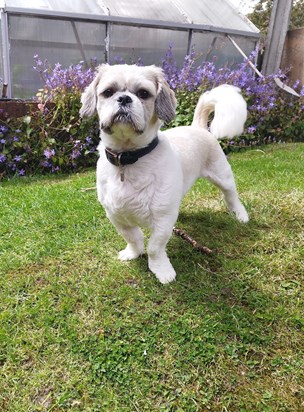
[124,118]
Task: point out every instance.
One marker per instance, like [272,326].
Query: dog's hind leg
[220,174]
[135,242]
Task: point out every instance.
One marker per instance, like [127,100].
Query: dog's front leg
[158,260]
[135,242]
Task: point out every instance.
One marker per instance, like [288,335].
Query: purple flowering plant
[58,80]
[273,114]
[51,138]
[54,139]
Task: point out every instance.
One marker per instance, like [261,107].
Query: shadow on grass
[213,313]
[220,284]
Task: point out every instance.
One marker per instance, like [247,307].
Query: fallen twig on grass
[86,189]
[193,242]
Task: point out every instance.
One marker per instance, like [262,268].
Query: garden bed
[54,139]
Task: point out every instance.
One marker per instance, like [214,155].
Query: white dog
[142,172]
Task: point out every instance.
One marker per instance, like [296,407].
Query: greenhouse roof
[219,14]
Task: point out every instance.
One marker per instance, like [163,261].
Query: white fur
[153,187]
[230,114]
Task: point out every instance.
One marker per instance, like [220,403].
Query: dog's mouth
[122,116]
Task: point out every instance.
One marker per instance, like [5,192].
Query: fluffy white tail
[230,111]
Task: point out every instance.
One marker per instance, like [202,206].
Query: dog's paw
[242,216]
[166,277]
[240,213]
[162,269]
[129,253]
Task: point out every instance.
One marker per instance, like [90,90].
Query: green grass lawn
[81,331]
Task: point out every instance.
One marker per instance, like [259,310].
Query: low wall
[10,108]
[293,54]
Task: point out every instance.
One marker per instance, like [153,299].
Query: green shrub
[52,139]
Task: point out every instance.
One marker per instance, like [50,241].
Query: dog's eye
[108,93]
[143,94]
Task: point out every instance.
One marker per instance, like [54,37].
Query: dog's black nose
[124,100]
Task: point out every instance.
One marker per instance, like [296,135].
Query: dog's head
[131,102]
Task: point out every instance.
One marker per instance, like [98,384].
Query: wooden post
[275,39]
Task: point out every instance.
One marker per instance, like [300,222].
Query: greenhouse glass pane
[218,48]
[129,44]
[64,41]
[74,6]
[151,9]
[217,13]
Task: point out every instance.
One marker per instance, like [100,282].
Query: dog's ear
[165,103]
[89,99]
[89,96]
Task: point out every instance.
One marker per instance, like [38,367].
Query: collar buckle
[113,157]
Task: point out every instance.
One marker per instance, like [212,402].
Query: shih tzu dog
[142,172]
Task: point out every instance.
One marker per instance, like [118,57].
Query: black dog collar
[128,158]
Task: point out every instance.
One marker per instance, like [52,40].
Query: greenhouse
[112,31]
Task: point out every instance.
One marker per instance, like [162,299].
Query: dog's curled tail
[230,111]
